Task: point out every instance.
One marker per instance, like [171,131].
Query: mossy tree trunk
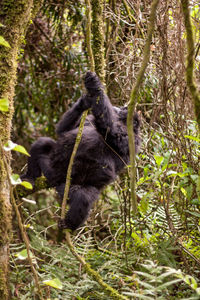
[98,38]
[14,16]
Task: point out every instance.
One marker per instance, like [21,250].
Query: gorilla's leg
[39,162]
[80,202]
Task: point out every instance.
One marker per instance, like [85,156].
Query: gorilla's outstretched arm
[71,118]
[102,109]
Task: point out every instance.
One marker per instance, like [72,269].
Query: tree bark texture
[98,38]
[14,16]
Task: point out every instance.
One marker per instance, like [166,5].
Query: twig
[88,35]
[131,17]
[69,170]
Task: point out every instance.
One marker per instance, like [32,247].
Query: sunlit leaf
[21,149]
[3,42]
[158,159]
[15,179]
[192,138]
[55,283]
[4,104]
[23,254]
[12,146]
[27,185]
[184,191]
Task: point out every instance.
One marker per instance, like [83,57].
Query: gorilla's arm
[71,118]
[102,109]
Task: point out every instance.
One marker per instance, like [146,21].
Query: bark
[15,16]
[191,60]
[98,38]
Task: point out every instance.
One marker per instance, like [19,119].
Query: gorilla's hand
[93,84]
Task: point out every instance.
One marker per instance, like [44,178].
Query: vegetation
[155,253]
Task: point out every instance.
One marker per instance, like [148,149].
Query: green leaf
[195,201]
[23,254]
[158,159]
[27,185]
[184,191]
[193,213]
[55,283]
[192,138]
[21,149]
[4,104]
[15,179]
[3,42]
[12,146]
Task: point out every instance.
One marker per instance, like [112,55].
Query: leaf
[55,283]
[158,159]
[193,213]
[27,185]
[12,146]
[21,149]
[192,138]
[166,284]
[15,179]
[23,254]
[184,191]
[195,201]
[3,42]
[4,104]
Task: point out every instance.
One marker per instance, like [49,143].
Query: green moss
[98,38]
[3,284]
[15,15]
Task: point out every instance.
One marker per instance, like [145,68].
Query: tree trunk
[14,16]
[98,38]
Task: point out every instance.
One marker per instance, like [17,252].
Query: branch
[190,60]
[88,36]
[69,170]
[133,101]
[131,17]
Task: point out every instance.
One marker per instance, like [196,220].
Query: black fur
[102,153]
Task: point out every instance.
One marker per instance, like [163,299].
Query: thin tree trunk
[133,101]
[14,16]
[98,38]
[191,60]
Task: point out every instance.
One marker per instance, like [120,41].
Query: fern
[158,282]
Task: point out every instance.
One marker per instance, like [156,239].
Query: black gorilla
[102,153]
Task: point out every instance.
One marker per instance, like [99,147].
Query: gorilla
[102,153]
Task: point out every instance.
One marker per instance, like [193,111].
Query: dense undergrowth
[153,256]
